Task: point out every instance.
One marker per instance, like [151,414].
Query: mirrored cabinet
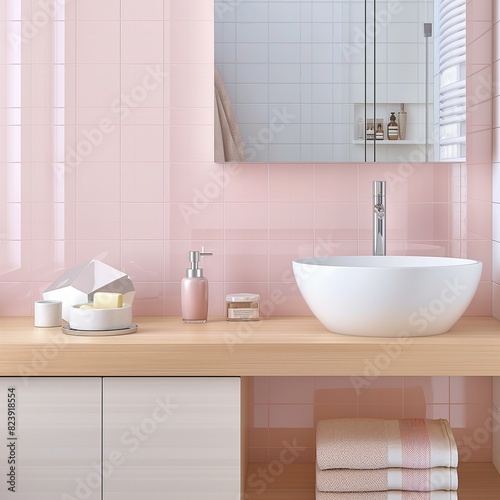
[309,81]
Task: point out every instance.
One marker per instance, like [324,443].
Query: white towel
[389,495]
[370,443]
[350,480]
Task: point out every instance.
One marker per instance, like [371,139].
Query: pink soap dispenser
[194,291]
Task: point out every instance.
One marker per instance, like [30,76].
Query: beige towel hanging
[228,142]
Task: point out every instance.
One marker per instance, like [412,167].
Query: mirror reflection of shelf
[415,126]
[397,142]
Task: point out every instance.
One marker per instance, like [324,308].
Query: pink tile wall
[480,91]
[122,172]
[496,161]
[286,409]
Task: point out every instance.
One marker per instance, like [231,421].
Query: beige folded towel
[344,480]
[389,495]
[371,443]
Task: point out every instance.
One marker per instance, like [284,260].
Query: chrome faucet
[379,212]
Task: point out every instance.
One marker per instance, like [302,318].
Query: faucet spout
[379,216]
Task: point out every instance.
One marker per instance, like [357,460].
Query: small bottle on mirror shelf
[392,128]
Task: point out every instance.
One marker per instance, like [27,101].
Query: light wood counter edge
[164,346]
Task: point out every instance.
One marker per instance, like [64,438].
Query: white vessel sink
[386,296]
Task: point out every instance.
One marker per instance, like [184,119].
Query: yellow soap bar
[107,300]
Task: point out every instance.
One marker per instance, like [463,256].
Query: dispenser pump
[194,258]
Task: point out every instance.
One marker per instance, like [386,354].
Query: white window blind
[452,96]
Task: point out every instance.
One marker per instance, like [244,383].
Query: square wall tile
[188,38]
[291,221]
[426,390]
[302,437]
[471,390]
[495,182]
[496,392]
[50,258]
[246,261]
[335,222]
[98,182]
[142,42]
[428,221]
[193,10]
[97,85]
[149,299]
[290,390]
[291,183]
[142,221]
[428,183]
[191,222]
[260,390]
[191,143]
[472,433]
[98,221]
[142,143]
[142,86]
[383,391]
[246,221]
[281,255]
[336,183]
[284,300]
[142,182]
[13,299]
[335,391]
[94,144]
[96,10]
[97,41]
[144,261]
[48,221]
[339,410]
[387,411]
[197,183]
[291,416]
[496,439]
[131,10]
[245,183]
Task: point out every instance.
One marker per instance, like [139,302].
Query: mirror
[319,80]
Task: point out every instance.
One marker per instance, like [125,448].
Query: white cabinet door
[172,438]
[50,431]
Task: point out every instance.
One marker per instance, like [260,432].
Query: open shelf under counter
[165,346]
[477,481]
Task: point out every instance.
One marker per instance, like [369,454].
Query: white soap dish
[89,319]
[99,333]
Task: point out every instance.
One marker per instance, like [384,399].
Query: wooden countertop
[164,346]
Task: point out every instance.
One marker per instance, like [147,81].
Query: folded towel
[342,480]
[372,443]
[389,495]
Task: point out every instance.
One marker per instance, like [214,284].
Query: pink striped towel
[371,443]
[351,480]
[389,495]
